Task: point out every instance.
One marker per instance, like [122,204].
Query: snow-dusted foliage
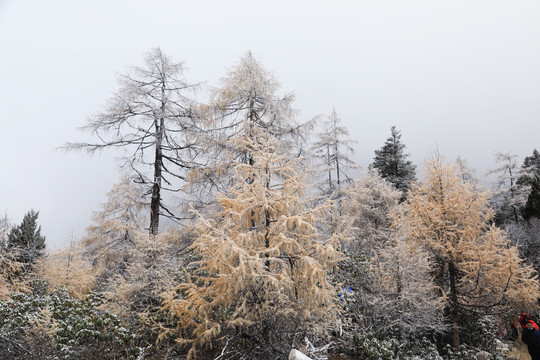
[406,298]
[56,326]
[369,203]
[263,262]
[392,282]
[245,103]
[134,294]
[466,173]
[109,241]
[530,179]
[526,235]
[475,266]
[509,197]
[260,275]
[26,241]
[11,269]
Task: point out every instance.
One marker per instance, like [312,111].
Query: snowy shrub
[479,332]
[366,346]
[56,326]
[418,349]
[464,352]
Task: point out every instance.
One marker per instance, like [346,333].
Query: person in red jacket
[524,318]
[531,337]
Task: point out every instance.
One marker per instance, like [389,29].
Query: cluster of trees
[261,252]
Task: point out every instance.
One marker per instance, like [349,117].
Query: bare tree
[151,118]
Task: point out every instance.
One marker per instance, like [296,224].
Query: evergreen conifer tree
[531,178]
[391,163]
[27,238]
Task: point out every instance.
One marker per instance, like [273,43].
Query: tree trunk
[453,306]
[155,203]
[156,193]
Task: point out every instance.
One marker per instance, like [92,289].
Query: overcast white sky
[459,75]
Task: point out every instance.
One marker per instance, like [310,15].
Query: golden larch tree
[261,268]
[476,267]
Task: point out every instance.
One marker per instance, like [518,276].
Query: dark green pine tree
[530,177]
[27,239]
[391,163]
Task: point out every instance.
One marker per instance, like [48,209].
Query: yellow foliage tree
[261,268]
[68,268]
[476,266]
[11,280]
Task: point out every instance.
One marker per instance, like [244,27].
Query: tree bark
[453,304]
[155,203]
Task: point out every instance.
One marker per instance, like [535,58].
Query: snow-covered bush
[57,326]
[367,346]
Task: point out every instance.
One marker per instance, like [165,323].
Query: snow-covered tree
[526,235]
[369,203]
[5,227]
[391,280]
[475,265]
[26,240]
[530,179]
[391,163]
[332,149]
[404,296]
[134,294]
[508,198]
[260,275]
[109,240]
[245,102]
[151,118]
[10,262]
[466,173]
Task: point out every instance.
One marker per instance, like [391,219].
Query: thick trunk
[155,203]
[156,193]
[329,168]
